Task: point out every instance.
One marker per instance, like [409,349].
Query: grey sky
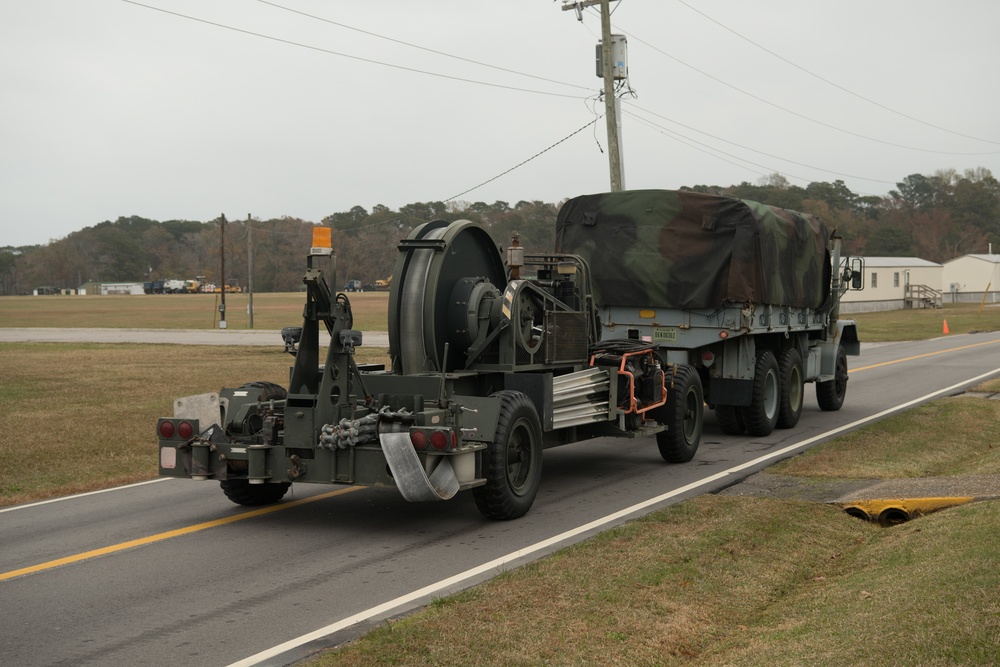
[113,109]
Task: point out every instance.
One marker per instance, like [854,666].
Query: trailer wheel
[761,416]
[254,422]
[684,416]
[269,391]
[730,419]
[792,388]
[513,463]
[830,394]
[242,492]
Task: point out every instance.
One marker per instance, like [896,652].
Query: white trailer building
[970,278]
[895,283]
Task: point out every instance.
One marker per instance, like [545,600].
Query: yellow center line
[921,356]
[173,533]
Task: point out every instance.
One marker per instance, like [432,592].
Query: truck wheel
[792,388]
[513,463]
[830,394]
[761,415]
[683,416]
[242,492]
[730,419]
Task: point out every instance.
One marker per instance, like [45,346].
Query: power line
[710,150]
[832,83]
[417,46]
[794,113]
[347,55]
[581,129]
[753,150]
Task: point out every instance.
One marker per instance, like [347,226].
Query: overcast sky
[243,107]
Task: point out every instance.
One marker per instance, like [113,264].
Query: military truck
[654,305]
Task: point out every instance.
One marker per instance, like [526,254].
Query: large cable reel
[444,275]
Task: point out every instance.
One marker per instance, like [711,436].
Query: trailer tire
[761,416]
[683,416]
[242,492]
[730,419]
[512,464]
[830,394]
[791,376]
[270,390]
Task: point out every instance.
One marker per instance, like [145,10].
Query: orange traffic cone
[946,327]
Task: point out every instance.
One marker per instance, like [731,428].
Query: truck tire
[242,492]
[730,419]
[830,394]
[512,464]
[761,416]
[791,376]
[683,416]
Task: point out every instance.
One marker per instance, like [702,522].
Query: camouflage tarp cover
[666,249]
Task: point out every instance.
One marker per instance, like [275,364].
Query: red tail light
[181,430]
[185,430]
[419,439]
[439,440]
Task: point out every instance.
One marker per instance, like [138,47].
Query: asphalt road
[170,572]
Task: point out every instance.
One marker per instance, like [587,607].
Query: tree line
[936,217]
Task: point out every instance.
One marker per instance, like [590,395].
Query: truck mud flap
[409,474]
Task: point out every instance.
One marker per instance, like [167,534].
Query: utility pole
[222,271]
[610,101]
[249,271]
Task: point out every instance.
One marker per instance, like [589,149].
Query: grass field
[178,311]
[273,311]
[81,417]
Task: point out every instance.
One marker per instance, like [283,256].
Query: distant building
[43,291]
[112,288]
[895,283]
[970,277]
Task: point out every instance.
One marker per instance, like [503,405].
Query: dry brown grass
[950,436]
[922,324]
[722,580]
[82,417]
[178,311]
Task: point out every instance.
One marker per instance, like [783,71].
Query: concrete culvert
[892,516]
[857,513]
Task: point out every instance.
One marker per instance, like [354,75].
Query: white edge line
[596,523]
[83,495]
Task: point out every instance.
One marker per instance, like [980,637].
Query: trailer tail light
[419,439]
[179,429]
[439,440]
[167,430]
[185,430]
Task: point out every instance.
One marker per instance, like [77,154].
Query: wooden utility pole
[222,271]
[614,155]
[249,271]
[610,115]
